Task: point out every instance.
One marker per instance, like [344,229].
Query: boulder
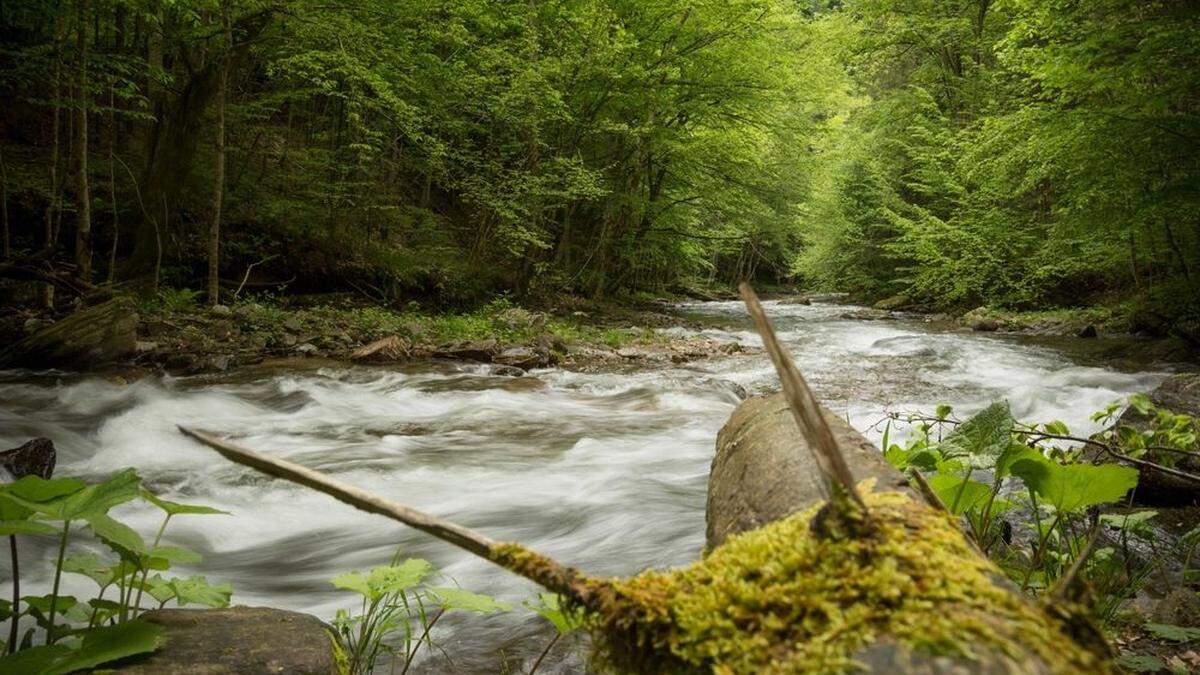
[35,458]
[385,350]
[898,301]
[521,357]
[1088,331]
[468,350]
[94,336]
[985,325]
[762,472]
[1179,394]
[237,640]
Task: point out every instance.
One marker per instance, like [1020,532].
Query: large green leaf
[175,554]
[396,578]
[982,437]
[8,527]
[177,509]
[65,502]
[197,591]
[116,533]
[38,489]
[968,493]
[457,598]
[385,579]
[90,566]
[1073,487]
[34,660]
[353,581]
[103,645]
[159,588]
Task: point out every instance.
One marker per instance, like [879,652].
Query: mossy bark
[913,598]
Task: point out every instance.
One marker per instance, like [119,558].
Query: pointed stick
[805,408]
[537,568]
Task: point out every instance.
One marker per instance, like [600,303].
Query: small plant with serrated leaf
[397,613]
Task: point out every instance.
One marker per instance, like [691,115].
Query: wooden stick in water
[549,573]
[805,408]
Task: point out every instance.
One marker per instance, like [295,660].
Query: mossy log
[94,336]
[919,596]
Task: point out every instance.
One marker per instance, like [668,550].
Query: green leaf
[1013,454]
[1141,403]
[353,581]
[1134,523]
[177,509]
[457,598]
[10,527]
[159,588]
[34,660]
[943,411]
[5,609]
[197,591]
[1141,663]
[175,554]
[1074,487]
[982,437]
[64,502]
[1174,633]
[90,566]
[116,533]
[38,489]
[1058,428]
[973,493]
[396,578]
[550,607]
[102,645]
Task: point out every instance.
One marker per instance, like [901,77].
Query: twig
[927,490]
[805,408]
[542,656]
[246,277]
[545,571]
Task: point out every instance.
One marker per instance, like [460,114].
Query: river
[605,471]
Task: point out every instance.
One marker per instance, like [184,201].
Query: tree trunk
[214,232]
[4,208]
[83,226]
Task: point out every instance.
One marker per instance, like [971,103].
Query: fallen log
[889,584]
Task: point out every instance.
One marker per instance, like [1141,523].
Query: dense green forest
[1020,153]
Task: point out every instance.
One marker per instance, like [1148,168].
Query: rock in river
[249,640]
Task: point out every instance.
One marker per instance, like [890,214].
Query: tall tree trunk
[4,208]
[52,205]
[83,227]
[214,233]
[112,186]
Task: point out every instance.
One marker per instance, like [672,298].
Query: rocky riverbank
[193,340]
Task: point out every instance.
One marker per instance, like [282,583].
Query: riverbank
[175,335]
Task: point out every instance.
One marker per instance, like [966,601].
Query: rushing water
[606,471]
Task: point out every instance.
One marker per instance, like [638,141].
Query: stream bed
[605,471]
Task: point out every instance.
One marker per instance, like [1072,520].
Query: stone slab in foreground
[237,641]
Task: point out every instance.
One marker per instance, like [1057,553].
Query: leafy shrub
[80,634]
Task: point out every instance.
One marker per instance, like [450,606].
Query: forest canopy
[1017,153]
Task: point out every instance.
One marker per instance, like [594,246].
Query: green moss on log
[781,600]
